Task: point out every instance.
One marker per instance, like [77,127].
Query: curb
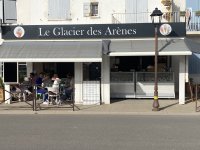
[52,112]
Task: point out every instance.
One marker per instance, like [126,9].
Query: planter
[1,91]
[167,16]
[182,13]
[166,2]
[1,95]
[197,13]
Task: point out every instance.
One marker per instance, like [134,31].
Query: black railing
[32,98]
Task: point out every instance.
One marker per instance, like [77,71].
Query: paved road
[99,132]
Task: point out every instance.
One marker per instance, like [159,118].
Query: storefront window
[60,68]
[22,71]
[139,63]
[92,71]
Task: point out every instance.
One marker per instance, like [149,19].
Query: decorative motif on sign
[19,32]
[165,29]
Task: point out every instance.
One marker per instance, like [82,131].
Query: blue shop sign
[88,31]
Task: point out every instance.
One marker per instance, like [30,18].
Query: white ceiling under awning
[146,47]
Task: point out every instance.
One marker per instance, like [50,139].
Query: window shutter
[94,9]
[86,9]
[68,11]
[59,10]
[138,11]
[51,9]
[10,11]
[1,9]
[142,9]
[131,9]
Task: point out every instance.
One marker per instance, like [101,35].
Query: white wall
[105,88]
[175,68]
[78,83]
[155,3]
[36,12]
[179,5]
[31,12]
[182,79]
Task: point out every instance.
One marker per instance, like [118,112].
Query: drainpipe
[3,9]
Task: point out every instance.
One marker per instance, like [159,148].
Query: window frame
[94,9]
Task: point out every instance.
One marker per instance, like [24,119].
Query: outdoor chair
[54,95]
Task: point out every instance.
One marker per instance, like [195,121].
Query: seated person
[56,83]
[39,79]
[43,91]
[15,92]
[26,88]
[54,89]
[69,87]
[32,78]
[46,82]
[55,76]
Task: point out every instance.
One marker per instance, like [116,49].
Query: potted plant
[197,13]
[166,2]
[1,90]
[182,13]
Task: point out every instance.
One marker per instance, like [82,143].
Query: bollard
[7,94]
[34,99]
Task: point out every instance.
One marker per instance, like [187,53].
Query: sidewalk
[126,107]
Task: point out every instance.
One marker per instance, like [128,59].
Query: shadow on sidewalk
[187,101]
[162,108]
[117,100]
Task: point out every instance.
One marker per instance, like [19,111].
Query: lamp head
[156,16]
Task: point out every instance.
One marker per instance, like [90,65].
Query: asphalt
[118,107]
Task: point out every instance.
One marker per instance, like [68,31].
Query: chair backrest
[53,89]
[56,83]
[63,80]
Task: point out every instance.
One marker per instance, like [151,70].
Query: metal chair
[54,93]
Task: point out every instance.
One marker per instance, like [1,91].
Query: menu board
[10,72]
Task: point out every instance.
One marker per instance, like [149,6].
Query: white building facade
[98,12]
[80,11]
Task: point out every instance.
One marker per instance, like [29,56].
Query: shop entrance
[91,83]
[133,77]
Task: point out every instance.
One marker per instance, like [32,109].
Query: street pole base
[156,109]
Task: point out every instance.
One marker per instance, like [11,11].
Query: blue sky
[194,4]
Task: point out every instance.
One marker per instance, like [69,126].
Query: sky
[194,4]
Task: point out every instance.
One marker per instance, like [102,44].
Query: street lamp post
[156,17]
